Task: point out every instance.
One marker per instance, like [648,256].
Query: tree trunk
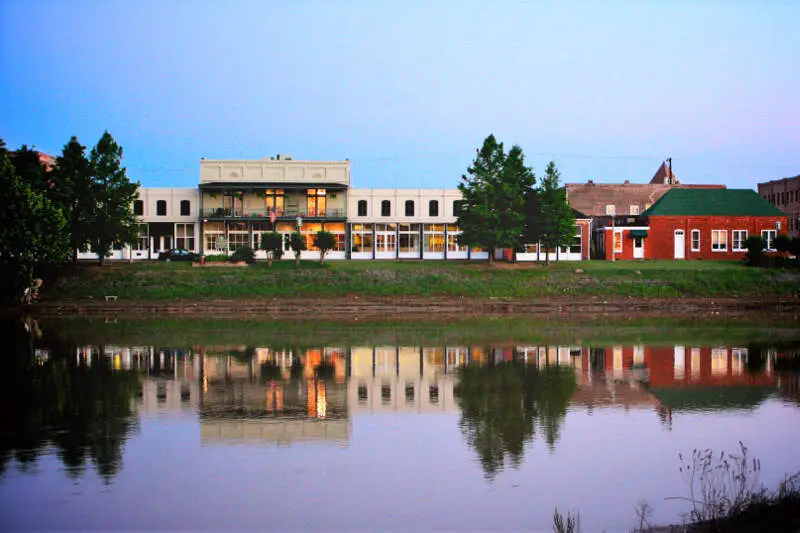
[322,259]
[297,259]
[269,260]
[491,257]
[75,257]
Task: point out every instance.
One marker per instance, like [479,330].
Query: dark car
[177,254]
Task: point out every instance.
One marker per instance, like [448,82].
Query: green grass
[169,331]
[648,279]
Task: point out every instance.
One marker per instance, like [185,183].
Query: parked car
[177,254]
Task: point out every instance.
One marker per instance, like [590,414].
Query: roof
[713,202]
[664,175]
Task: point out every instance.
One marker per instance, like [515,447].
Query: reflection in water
[83,400]
[76,403]
[503,404]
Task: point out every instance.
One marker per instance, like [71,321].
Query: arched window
[362,208]
[457,207]
[138,207]
[409,208]
[433,208]
[161,208]
[185,208]
[386,208]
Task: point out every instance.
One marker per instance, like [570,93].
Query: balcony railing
[287,213]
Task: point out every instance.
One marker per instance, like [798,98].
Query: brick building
[784,194]
[696,223]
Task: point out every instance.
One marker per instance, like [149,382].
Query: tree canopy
[550,219]
[494,190]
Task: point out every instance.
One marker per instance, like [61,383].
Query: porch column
[445,242]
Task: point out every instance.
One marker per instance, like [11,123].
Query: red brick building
[696,223]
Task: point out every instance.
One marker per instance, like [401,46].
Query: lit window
[738,237]
[611,210]
[695,240]
[634,210]
[719,240]
[618,242]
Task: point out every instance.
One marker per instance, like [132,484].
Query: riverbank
[369,287]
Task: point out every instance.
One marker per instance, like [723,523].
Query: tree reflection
[503,406]
[84,411]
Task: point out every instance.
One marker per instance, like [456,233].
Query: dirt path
[421,307]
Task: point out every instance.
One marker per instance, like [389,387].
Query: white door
[638,248]
[680,244]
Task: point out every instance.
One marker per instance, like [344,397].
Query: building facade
[784,194]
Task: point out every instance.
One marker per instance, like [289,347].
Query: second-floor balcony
[286,213]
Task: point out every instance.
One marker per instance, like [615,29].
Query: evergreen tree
[113,218]
[30,169]
[31,231]
[553,222]
[494,190]
[73,191]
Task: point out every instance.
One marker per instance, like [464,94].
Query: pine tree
[113,221]
[553,221]
[73,191]
[494,190]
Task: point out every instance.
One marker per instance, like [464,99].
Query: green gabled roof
[713,202]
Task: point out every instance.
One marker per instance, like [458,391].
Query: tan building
[784,194]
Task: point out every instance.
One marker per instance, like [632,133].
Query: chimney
[590,182]
[627,182]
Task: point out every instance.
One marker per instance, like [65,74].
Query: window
[634,210]
[617,242]
[409,208]
[316,201]
[386,208]
[361,236]
[161,208]
[453,245]
[433,238]
[184,236]
[408,235]
[274,201]
[138,207]
[719,240]
[768,236]
[185,208]
[738,237]
[362,208]
[457,206]
[611,210]
[695,240]
[143,242]
[433,208]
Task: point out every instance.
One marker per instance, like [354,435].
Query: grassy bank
[647,279]
[166,331]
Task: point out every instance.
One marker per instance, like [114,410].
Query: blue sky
[408,90]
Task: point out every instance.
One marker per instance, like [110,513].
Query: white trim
[699,236]
[741,247]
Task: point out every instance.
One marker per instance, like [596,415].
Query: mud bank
[420,307]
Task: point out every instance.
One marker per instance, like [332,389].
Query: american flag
[272,216]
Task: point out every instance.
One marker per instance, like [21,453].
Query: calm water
[477,436]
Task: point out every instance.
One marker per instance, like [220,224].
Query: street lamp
[299,223]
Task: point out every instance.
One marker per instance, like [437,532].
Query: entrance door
[638,248]
[680,244]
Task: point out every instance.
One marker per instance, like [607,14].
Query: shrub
[272,243]
[324,241]
[755,250]
[245,253]
[216,258]
[783,244]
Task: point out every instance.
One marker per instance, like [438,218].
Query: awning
[638,233]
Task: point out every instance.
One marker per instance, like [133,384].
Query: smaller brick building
[785,194]
[696,224]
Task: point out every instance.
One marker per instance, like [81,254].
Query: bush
[245,253]
[755,250]
[272,243]
[216,258]
[783,244]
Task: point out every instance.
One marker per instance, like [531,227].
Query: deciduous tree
[32,233]
[272,243]
[297,243]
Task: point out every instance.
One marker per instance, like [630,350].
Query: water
[489,435]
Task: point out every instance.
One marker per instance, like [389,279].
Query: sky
[408,90]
